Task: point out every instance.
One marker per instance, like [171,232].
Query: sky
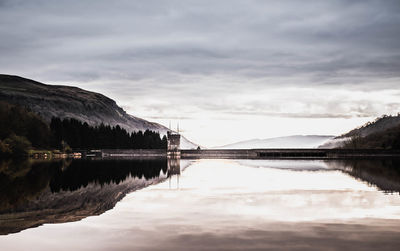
[224,70]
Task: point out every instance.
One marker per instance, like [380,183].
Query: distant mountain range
[295,141]
[71,102]
[383,132]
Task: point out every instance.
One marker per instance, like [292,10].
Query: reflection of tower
[174,168]
[174,141]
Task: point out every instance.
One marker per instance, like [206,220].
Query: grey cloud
[357,111]
[205,37]
[156,47]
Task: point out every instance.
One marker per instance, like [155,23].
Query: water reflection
[382,173]
[80,173]
[235,205]
[37,192]
[174,169]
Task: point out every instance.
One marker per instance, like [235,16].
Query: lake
[159,204]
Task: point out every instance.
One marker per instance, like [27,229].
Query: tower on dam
[174,141]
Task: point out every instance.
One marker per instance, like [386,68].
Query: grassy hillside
[380,133]
[69,102]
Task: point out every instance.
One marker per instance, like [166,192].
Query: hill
[379,125]
[380,133]
[387,139]
[71,102]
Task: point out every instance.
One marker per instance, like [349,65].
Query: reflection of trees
[82,172]
[24,181]
[383,173]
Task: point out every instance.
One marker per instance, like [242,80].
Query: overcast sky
[227,70]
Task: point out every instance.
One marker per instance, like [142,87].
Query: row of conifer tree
[79,134]
[22,129]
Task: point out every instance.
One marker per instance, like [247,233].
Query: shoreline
[289,153]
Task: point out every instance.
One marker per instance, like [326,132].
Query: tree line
[80,135]
[22,129]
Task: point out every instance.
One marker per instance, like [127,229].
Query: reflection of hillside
[54,192]
[383,173]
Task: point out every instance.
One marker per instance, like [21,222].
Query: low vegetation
[21,129]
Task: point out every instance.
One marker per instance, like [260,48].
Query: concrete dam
[248,153]
[287,153]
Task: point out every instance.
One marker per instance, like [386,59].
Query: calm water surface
[208,205]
